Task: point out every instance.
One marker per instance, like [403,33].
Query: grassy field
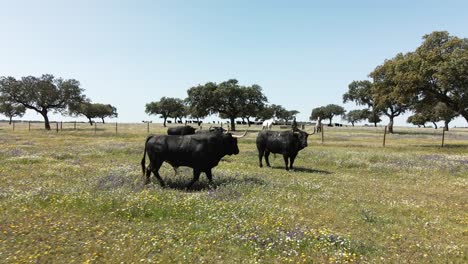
[76,196]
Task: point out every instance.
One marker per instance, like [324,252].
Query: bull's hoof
[261,166]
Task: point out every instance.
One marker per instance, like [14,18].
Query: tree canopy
[359,92]
[106,110]
[319,114]
[42,94]
[442,72]
[11,110]
[254,102]
[418,119]
[389,81]
[355,116]
[326,112]
[228,99]
[166,107]
[93,110]
[200,100]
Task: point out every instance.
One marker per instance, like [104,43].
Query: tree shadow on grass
[180,183]
[448,146]
[307,170]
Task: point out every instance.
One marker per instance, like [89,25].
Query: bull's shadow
[180,183]
[301,169]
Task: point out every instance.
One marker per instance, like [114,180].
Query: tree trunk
[165,118]
[102,119]
[375,124]
[352,123]
[233,124]
[424,125]
[10,120]
[330,120]
[390,125]
[248,121]
[46,119]
[90,121]
[435,124]
[446,122]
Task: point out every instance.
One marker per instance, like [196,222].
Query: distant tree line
[227,99]
[431,81]
[47,94]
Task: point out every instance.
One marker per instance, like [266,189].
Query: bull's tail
[143,160]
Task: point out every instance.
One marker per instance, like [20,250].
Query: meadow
[77,196]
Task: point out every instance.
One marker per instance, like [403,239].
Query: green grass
[76,196]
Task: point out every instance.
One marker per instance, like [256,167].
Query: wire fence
[340,136]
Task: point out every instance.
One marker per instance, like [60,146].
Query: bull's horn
[235,136]
[209,129]
[312,133]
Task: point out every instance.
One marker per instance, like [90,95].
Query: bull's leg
[209,175]
[291,162]
[155,170]
[196,176]
[148,174]
[285,157]
[267,158]
[260,157]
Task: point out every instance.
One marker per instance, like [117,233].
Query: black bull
[181,130]
[202,152]
[288,143]
[188,130]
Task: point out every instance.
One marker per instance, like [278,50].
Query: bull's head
[302,136]
[230,142]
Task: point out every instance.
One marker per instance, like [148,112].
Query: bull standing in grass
[202,152]
[288,143]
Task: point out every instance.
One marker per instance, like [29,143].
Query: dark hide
[288,143]
[201,152]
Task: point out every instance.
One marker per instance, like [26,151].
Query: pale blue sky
[303,53]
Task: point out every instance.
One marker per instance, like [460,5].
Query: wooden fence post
[443,136]
[29,125]
[74,126]
[116,128]
[147,127]
[61,125]
[384,135]
[321,131]
[13,122]
[95,127]
[56,126]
